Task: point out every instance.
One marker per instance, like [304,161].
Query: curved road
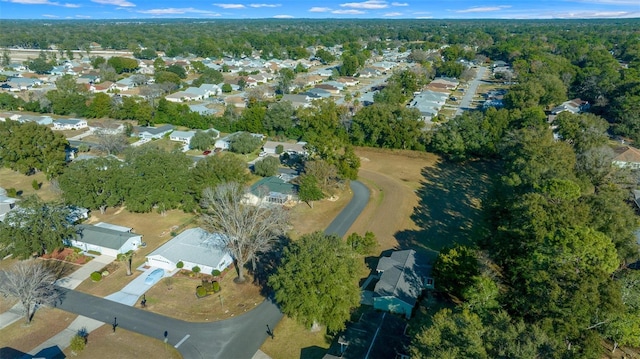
[238,337]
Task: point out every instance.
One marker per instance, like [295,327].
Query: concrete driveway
[135,289]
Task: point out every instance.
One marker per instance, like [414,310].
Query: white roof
[194,245]
[113,226]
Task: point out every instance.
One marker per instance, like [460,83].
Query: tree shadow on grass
[268,263]
[449,208]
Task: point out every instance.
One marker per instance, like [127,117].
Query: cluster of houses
[431,100]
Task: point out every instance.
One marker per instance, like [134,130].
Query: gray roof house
[70,124]
[6,203]
[106,239]
[153,132]
[402,279]
[182,136]
[193,247]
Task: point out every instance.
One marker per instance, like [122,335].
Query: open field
[102,341]
[292,340]
[393,177]
[22,183]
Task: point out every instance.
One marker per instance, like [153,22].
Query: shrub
[195,269]
[12,192]
[76,249]
[96,276]
[279,149]
[216,287]
[78,342]
[201,291]
[105,273]
[215,273]
[179,265]
[94,252]
[35,184]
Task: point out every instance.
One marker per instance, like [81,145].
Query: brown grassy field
[103,343]
[22,183]
[175,297]
[292,340]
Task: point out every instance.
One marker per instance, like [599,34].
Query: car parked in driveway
[207,152]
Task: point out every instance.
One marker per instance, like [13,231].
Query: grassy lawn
[175,297]
[305,219]
[165,143]
[46,323]
[292,340]
[22,183]
[102,341]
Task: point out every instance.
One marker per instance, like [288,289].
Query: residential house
[402,280]
[574,106]
[125,84]
[193,247]
[627,157]
[369,72]
[148,132]
[332,87]
[270,147]
[271,190]
[9,116]
[316,93]
[6,203]
[103,87]
[348,81]
[297,100]
[39,119]
[22,83]
[105,238]
[182,136]
[202,109]
[70,124]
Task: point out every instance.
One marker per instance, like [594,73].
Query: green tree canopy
[317,281]
[37,228]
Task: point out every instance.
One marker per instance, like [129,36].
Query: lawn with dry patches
[46,323]
[22,183]
[176,298]
[104,343]
[293,340]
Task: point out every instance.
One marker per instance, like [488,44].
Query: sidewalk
[71,282]
[63,338]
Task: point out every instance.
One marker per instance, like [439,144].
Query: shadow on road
[449,210]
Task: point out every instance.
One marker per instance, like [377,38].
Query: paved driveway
[131,292]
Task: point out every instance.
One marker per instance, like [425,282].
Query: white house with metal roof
[70,124]
[193,247]
[105,238]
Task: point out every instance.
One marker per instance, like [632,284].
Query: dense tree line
[29,148]
[147,179]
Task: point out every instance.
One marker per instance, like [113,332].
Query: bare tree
[31,282]
[247,229]
[110,141]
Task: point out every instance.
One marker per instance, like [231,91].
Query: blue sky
[401,9]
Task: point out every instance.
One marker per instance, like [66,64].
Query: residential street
[465,103]
[239,337]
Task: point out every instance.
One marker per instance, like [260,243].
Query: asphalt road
[345,219]
[465,103]
[236,338]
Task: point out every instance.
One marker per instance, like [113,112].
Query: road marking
[182,341]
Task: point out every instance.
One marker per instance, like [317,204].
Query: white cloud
[370,4]
[43,2]
[121,3]
[83,16]
[483,9]
[178,11]
[593,14]
[265,5]
[608,2]
[399,4]
[319,9]
[283,17]
[348,12]
[392,14]
[230,6]
[50,16]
